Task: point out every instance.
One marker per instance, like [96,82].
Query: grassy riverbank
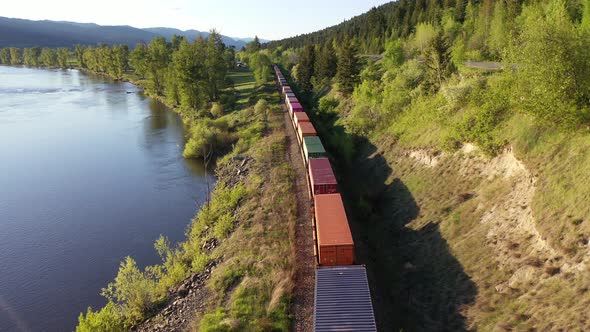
[246,230]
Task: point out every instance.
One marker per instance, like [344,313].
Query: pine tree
[348,68]
[175,42]
[460,10]
[498,38]
[306,67]
[254,46]
[326,62]
[438,62]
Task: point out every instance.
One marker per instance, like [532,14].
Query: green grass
[253,284]
[244,84]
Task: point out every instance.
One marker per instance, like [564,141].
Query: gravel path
[302,306]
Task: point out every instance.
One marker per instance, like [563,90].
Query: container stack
[342,296]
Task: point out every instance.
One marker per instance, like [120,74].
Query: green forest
[413,52]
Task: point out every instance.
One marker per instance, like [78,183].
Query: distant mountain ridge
[21,33]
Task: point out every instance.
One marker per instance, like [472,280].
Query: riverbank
[85,212]
[235,268]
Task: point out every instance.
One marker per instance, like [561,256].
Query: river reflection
[91,171]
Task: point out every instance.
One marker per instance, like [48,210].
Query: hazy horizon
[230,17]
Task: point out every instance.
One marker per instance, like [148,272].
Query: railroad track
[342,299]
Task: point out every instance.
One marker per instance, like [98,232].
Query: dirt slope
[451,243]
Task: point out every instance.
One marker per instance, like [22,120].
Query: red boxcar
[335,244]
[305,129]
[321,177]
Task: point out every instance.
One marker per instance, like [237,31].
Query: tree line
[187,74]
[35,57]
[545,46]
[371,31]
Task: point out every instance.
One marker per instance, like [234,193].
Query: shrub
[223,226]
[217,110]
[108,319]
[215,322]
[133,290]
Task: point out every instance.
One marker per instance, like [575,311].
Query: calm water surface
[89,174]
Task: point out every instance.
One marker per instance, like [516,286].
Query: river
[91,171]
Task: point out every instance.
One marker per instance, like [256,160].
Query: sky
[265,18]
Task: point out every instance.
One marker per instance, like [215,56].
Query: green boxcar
[313,148]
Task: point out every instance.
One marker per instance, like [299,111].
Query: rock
[502,288]
[195,277]
[182,291]
[409,266]
[523,276]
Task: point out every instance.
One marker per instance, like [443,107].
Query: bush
[223,226]
[108,319]
[229,100]
[217,110]
[215,322]
[135,291]
[551,78]
[328,104]
[262,109]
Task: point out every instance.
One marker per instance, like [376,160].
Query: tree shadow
[416,282]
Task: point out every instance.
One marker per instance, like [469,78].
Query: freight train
[342,295]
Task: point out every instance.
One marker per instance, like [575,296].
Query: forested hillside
[468,181]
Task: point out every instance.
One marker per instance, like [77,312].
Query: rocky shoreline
[190,298]
[185,301]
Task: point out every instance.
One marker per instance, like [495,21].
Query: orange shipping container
[301,117]
[305,129]
[335,243]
